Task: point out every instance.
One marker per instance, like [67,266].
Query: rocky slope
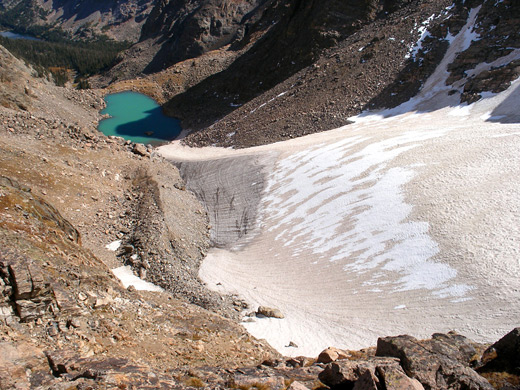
[66,192]
[382,60]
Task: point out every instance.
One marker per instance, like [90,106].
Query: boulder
[343,372]
[64,300]
[332,354]
[435,363]
[395,378]
[297,386]
[366,381]
[140,150]
[504,355]
[299,361]
[269,312]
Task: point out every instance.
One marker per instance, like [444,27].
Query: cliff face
[188,28]
[179,30]
[119,19]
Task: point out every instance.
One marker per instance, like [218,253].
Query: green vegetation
[85,58]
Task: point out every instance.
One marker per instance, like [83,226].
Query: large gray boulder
[440,363]
[371,373]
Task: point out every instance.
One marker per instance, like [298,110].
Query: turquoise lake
[138,118]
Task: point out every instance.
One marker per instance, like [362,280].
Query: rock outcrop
[442,362]
[374,373]
[187,29]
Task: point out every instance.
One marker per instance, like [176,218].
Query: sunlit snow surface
[342,199]
[406,221]
[127,278]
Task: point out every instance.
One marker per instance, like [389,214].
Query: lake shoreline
[138,118]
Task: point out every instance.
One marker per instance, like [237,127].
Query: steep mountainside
[180,30]
[285,86]
[119,19]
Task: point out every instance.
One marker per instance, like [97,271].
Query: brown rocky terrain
[368,66]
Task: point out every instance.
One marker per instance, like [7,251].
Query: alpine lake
[138,118]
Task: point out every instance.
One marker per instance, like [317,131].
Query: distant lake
[12,35]
[138,118]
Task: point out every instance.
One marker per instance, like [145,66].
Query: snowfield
[407,221]
[406,224]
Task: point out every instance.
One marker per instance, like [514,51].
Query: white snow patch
[424,33]
[269,101]
[345,195]
[113,246]
[127,278]
[470,35]
[504,135]
[450,38]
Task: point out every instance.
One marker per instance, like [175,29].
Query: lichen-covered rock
[24,287]
[345,372]
[438,364]
[395,378]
